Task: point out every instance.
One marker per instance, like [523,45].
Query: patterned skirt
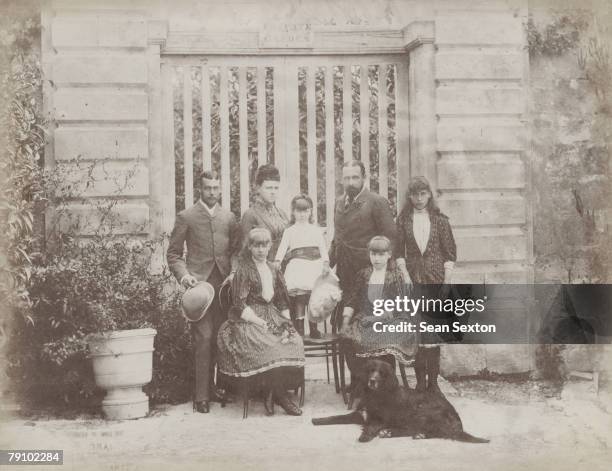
[246,349]
[367,343]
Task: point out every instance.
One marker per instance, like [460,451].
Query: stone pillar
[422,111]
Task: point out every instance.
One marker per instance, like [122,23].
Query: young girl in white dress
[303,252]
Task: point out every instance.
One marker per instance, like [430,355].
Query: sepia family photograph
[306,234]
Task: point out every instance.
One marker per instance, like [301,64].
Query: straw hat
[197,300]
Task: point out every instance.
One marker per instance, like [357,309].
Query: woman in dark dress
[264,212]
[426,253]
[258,339]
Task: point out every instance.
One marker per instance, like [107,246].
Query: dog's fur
[389,410]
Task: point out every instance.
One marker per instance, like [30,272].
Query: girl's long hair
[417,184]
[294,206]
[245,251]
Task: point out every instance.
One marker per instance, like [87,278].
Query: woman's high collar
[263,203]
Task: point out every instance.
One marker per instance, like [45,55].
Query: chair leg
[403,373]
[342,378]
[334,349]
[245,398]
[302,391]
[327,362]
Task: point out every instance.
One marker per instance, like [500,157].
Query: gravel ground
[529,428]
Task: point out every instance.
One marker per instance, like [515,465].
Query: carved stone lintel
[286,36]
[353,40]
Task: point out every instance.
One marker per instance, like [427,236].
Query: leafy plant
[23,137]
[101,285]
[571,237]
[559,36]
[594,59]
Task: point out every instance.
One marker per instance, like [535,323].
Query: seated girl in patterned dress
[258,338]
[382,280]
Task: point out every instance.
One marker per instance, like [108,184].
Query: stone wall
[480,73]
[96,90]
[482,163]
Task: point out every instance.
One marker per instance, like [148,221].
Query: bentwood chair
[328,347]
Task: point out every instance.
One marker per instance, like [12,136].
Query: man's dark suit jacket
[354,225]
[211,240]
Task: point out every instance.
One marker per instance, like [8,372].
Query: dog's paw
[385,433]
[366,437]
[419,436]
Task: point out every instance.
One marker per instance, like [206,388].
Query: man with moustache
[212,236]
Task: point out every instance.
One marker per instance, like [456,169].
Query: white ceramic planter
[123,364]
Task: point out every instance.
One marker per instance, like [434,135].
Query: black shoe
[220,395]
[289,407]
[269,403]
[203,407]
[314,331]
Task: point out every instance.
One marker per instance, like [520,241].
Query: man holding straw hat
[211,236]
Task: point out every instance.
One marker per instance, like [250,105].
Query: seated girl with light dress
[303,252]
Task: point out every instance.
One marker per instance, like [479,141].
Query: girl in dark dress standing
[426,254]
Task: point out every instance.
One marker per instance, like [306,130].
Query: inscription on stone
[282,36]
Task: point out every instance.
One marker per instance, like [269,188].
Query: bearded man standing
[359,215]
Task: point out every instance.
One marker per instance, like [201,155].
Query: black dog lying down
[389,410]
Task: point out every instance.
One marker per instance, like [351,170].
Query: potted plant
[121,347]
[99,299]
[122,302]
